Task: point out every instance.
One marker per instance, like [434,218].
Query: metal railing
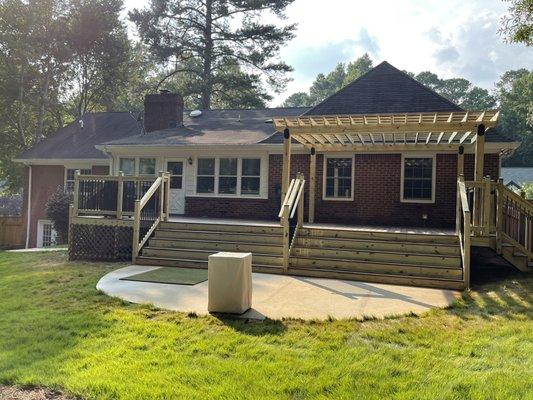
[293,203]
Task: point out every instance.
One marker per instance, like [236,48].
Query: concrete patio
[282,296]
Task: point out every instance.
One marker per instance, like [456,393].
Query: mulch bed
[13,393]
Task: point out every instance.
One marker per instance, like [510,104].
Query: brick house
[392,183]
[228,163]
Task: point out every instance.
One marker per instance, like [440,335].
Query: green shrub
[528,189]
[57,209]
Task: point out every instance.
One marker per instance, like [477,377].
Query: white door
[177,190]
[46,234]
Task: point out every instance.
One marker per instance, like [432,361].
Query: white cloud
[451,38]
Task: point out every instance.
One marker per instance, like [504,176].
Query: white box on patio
[229,282]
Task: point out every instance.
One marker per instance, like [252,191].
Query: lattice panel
[100,243]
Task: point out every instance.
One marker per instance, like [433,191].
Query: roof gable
[383,89]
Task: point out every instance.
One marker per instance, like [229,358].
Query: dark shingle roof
[216,127]
[73,142]
[383,89]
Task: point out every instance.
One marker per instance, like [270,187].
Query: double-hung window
[205,178]
[137,165]
[228,176]
[127,165]
[418,183]
[70,174]
[338,178]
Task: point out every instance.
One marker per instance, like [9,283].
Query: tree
[101,54]
[458,90]
[57,210]
[518,25]
[325,85]
[204,31]
[515,90]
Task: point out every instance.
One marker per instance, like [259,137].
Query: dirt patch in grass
[13,393]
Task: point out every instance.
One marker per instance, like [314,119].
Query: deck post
[286,174]
[478,173]
[286,233]
[312,185]
[458,208]
[167,197]
[486,206]
[162,195]
[136,230]
[120,194]
[499,215]
[75,201]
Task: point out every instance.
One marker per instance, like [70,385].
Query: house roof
[215,127]
[384,89]
[74,142]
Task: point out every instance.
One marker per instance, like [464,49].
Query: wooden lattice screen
[100,242]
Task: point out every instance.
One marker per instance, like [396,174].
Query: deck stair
[189,244]
[431,260]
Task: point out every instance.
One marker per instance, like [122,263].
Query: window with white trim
[229,176]
[127,165]
[146,166]
[418,179]
[70,174]
[339,178]
[205,178]
[251,176]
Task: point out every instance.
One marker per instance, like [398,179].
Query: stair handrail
[160,213]
[293,201]
[463,228]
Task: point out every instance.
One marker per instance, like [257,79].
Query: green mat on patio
[173,275]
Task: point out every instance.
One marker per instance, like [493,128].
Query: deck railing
[149,211]
[293,203]
[108,195]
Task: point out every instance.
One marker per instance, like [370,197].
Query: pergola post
[312,185]
[478,172]
[286,174]
[461,161]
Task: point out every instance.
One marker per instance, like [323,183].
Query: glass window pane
[206,166]
[176,182]
[251,167]
[339,177]
[330,187]
[227,185]
[147,166]
[127,165]
[175,167]
[205,184]
[250,186]
[228,166]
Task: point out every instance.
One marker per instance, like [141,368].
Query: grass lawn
[57,331]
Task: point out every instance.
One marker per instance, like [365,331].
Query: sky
[452,38]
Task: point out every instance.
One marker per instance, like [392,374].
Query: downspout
[29,208]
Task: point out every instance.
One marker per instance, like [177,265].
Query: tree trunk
[208,57]
[43,102]
[20,120]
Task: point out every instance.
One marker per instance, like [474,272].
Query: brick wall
[45,181]
[376,193]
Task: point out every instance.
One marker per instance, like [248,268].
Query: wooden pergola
[429,131]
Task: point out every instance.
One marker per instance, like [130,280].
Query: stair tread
[161,229]
[205,251]
[197,261]
[374,274]
[402,252]
[380,241]
[375,262]
[217,241]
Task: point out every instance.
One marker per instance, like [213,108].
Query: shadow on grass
[253,327]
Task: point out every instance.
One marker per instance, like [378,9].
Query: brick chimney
[163,110]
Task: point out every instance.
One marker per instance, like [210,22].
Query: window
[227,180]
[418,179]
[205,180]
[251,176]
[127,165]
[339,178]
[146,166]
[46,234]
[70,174]
[229,176]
